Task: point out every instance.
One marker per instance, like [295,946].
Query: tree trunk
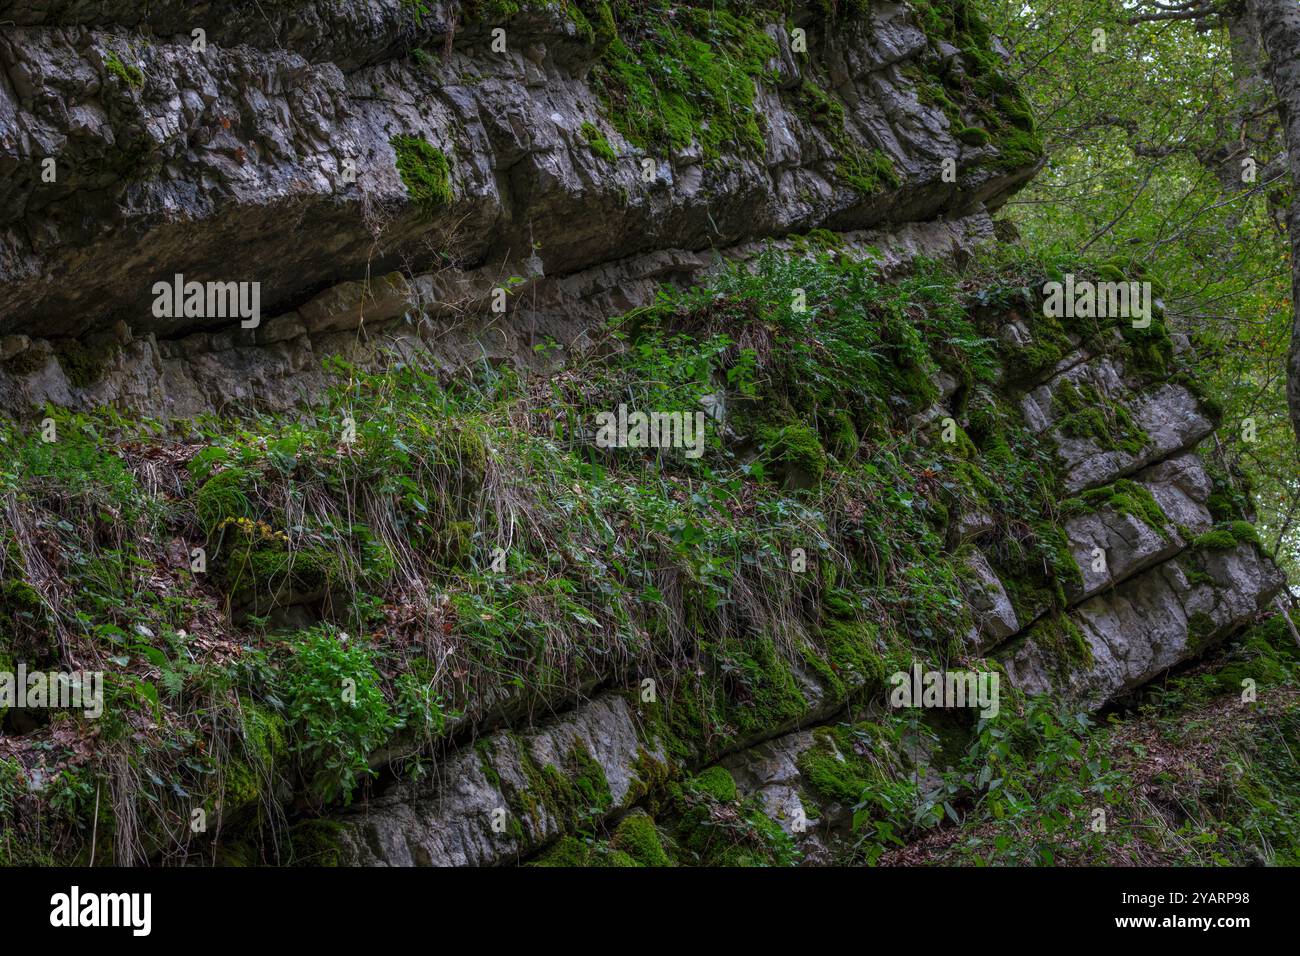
[1279,28]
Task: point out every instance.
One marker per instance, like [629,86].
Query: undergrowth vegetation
[286,608]
[1199,769]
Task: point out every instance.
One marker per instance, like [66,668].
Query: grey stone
[449,821]
[995,618]
[210,160]
[1150,623]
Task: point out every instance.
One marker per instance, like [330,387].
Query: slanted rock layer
[171,160]
[1168,589]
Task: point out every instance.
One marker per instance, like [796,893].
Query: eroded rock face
[426,318]
[995,618]
[1129,541]
[1160,423]
[171,159]
[496,801]
[1149,624]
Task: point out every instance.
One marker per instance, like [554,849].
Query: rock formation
[390,172]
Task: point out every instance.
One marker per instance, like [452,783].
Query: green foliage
[336,708]
[1034,779]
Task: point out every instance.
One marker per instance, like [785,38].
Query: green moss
[982,91]
[598,143]
[717,782]
[132,76]
[1017,149]
[832,774]
[1064,647]
[264,734]
[852,649]
[573,794]
[1266,654]
[589,780]
[741,835]
[1086,414]
[832,10]
[7,664]
[665,86]
[425,171]
[250,773]
[568,851]
[1036,571]
[865,171]
[797,453]
[486,752]
[637,836]
[594,20]
[82,366]
[817,240]
[1150,352]
[652,777]
[1227,535]
[763,694]
[19,597]
[316,843]
[1124,497]
[1048,344]
[497,12]
[27,362]
[273,571]
[868,172]
[841,438]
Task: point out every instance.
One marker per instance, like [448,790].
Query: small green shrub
[332,698]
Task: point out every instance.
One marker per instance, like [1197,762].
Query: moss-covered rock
[637,836]
[425,171]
